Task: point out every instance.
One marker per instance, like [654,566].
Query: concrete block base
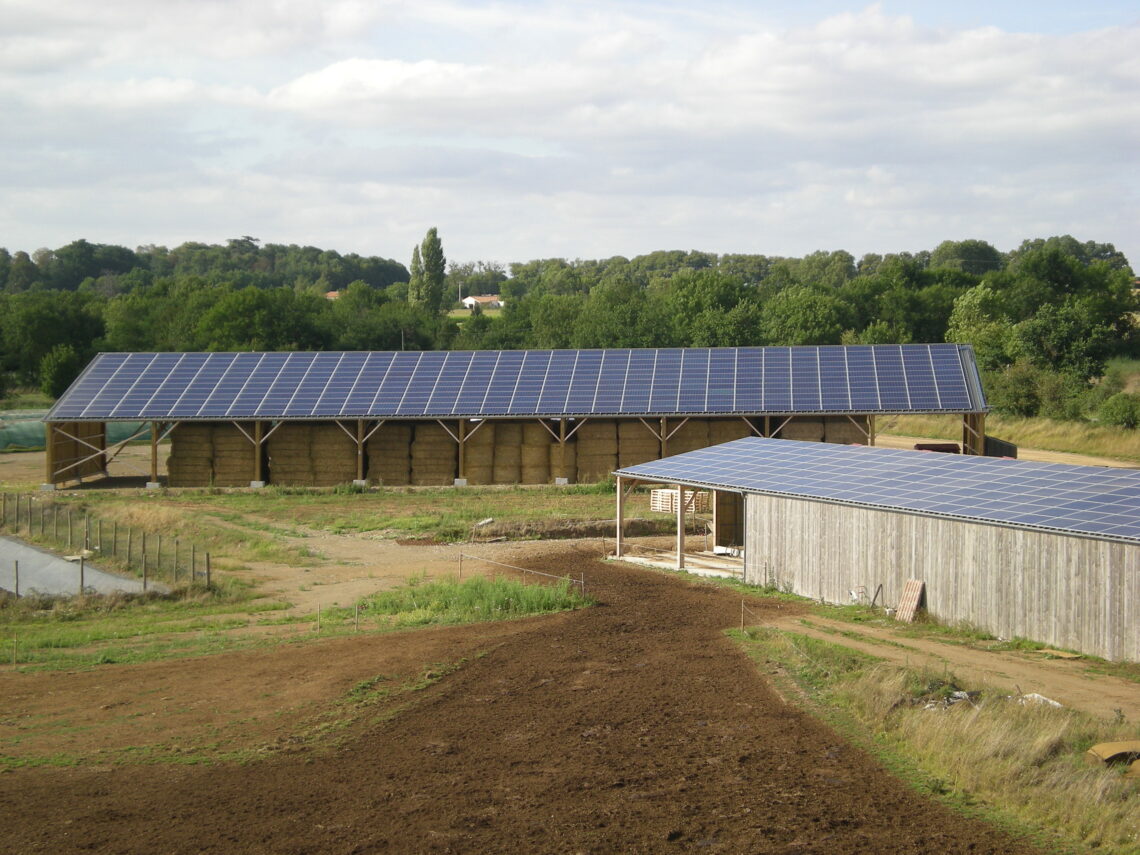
[153,485]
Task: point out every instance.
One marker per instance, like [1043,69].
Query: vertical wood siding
[1072,592]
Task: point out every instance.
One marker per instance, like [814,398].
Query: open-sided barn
[1045,551]
[528,416]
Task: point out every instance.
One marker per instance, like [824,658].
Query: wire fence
[57,527]
[581,581]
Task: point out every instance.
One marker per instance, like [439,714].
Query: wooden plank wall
[1070,592]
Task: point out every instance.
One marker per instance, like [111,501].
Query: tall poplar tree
[434,271]
[416,295]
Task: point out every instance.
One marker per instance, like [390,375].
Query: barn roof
[931,378]
[1085,500]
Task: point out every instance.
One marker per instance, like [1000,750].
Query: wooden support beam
[462,432]
[153,452]
[680,528]
[258,439]
[360,449]
[620,518]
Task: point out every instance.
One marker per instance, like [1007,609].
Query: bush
[1122,410]
[58,369]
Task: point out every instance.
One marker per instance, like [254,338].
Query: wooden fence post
[193,561]
[207,569]
[176,559]
[144,570]
[17,563]
[130,534]
[69,528]
[82,574]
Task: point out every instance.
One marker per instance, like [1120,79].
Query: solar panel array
[1087,500]
[438,384]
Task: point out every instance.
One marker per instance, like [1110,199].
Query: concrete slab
[46,573]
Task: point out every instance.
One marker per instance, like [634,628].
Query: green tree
[416,293]
[435,271]
[799,315]
[58,369]
[1064,338]
[969,256]
[1122,409]
[977,319]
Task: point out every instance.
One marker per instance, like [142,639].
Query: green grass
[51,633]
[1019,765]
[479,598]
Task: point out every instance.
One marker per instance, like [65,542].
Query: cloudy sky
[579,128]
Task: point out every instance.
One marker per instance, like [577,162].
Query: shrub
[1121,409]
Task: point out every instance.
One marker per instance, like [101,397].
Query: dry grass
[1019,762]
[1045,434]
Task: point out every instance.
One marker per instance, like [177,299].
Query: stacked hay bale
[507,468]
[564,460]
[234,456]
[191,460]
[803,428]
[479,453]
[435,455]
[842,430]
[389,454]
[726,430]
[692,435]
[636,443]
[289,448]
[597,450]
[535,454]
[332,455]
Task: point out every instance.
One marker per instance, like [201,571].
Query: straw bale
[479,475]
[536,455]
[726,430]
[693,434]
[534,475]
[595,467]
[534,433]
[598,431]
[802,428]
[568,470]
[840,429]
[634,430]
[481,432]
[632,457]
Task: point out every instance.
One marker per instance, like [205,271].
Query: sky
[576,129]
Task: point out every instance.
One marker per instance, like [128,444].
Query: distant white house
[486,301]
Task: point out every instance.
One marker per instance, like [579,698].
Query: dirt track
[636,726]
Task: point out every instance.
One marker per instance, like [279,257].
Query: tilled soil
[635,726]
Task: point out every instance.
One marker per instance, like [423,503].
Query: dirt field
[635,726]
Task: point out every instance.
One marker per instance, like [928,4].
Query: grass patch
[1019,764]
[479,598]
[49,633]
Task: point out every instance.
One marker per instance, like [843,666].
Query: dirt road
[635,726]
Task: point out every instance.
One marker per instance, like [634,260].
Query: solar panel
[1087,500]
[438,384]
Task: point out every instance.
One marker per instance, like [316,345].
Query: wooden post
[101,552]
[158,553]
[318,618]
[144,569]
[360,449]
[69,528]
[193,561]
[258,474]
[461,432]
[153,452]
[357,618]
[87,531]
[82,574]
[55,523]
[208,580]
[130,533]
[680,527]
[17,586]
[460,566]
[115,537]
[176,559]
[49,453]
[620,517]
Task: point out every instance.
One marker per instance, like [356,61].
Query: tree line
[1044,319]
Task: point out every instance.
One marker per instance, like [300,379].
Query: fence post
[3,508]
[357,618]
[17,563]
[176,559]
[101,552]
[460,566]
[193,561]
[144,570]
[82,573]
[115,538]
[158,555]
[69,528]
[130,534]
[87,531]
[207,569]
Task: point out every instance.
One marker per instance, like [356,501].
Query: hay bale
[726,430]
[692,435]
[564,461]
[534,433]
[534,475]
[597,432]
[803,428]
[594,467]
[480,436]
[840,429]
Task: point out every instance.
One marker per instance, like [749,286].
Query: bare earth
[635,726]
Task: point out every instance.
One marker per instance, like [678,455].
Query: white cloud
[578,128]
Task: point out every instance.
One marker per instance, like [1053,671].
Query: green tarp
[25,429]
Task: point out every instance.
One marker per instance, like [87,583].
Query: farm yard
[634,725]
